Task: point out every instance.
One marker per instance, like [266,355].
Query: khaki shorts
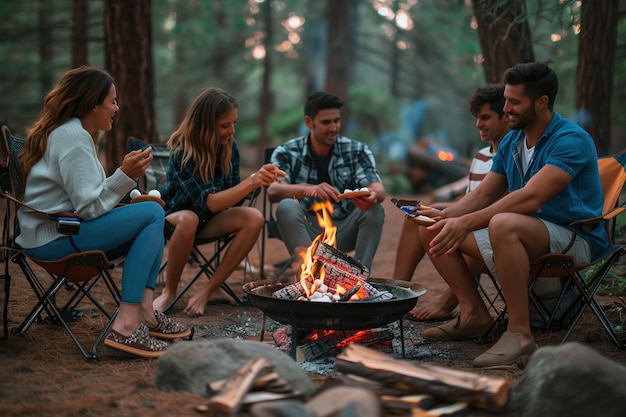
[559,238]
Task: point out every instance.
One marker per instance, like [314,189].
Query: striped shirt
[351,166]
[480,167]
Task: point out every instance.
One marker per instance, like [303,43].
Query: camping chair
[78,272]
[270,230]
[565,310]
[207,264]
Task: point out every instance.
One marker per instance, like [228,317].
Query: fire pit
[343,315]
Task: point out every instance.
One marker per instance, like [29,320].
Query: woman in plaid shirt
[202,193]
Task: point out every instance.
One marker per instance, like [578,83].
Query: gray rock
[188,366]
[572,380]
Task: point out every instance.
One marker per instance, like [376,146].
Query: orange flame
[322,210]
[445,156]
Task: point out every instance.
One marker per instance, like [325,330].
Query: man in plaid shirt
[321,166]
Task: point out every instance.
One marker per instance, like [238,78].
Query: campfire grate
[306,315]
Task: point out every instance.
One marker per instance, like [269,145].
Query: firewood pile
[403,387]
[421,389]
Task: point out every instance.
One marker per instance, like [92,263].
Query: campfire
[333,293]
[327,274]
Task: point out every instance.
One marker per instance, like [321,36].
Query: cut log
[450,410]
[270,382]
[408,402]
[323,342]
[480,391]
[228,400]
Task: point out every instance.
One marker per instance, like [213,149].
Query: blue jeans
[134,231]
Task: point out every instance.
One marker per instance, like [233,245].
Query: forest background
[405,68]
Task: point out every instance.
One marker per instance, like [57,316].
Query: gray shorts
[559,238]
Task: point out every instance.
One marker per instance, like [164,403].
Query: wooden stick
[228,400]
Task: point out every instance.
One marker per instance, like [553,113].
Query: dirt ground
[43,374]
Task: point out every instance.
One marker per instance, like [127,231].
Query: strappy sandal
[167,328]
[139,343]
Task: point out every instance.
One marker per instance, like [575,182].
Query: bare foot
[433,311]
[162,301]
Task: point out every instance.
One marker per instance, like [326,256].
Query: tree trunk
[340,50]
[46,77]
[504,36]
[80,32]
[128,50]
[594,76]
[265,98]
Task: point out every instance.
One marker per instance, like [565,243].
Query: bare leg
[455,271]
[516,239]
[179,250]
[442,307]
[247,224]
[409,253]
[127,319]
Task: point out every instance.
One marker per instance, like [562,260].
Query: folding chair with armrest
[207,264]
[78,272]
[573,276]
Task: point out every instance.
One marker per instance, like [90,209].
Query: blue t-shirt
[569,147]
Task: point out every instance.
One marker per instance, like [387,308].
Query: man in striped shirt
[486,104]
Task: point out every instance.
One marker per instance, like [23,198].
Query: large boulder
[188,366]
[572,380]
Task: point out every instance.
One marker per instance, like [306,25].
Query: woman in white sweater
[63,173]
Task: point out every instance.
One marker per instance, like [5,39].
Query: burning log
[480,391]
[321,343]
[228,400]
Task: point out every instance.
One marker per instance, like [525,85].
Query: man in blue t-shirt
[549,167]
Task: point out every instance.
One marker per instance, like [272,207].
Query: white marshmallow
[135,193]
[154,193]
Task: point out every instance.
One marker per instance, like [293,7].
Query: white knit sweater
[69,177]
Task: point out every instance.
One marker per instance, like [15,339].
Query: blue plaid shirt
[184,190]
[351,166]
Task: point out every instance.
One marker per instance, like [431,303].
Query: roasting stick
[228,400]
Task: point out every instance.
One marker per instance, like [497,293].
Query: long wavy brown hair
[78,91]
[197,135]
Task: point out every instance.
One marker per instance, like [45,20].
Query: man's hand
[324,192]
[451,233]
[366,202]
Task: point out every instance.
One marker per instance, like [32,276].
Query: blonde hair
[78,91]
[197,135]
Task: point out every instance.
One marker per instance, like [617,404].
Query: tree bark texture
[504,36]
[128,49]
[340,50]
[80,32]
[594,76]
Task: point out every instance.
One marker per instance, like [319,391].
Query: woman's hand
[265,175]
[136,163]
